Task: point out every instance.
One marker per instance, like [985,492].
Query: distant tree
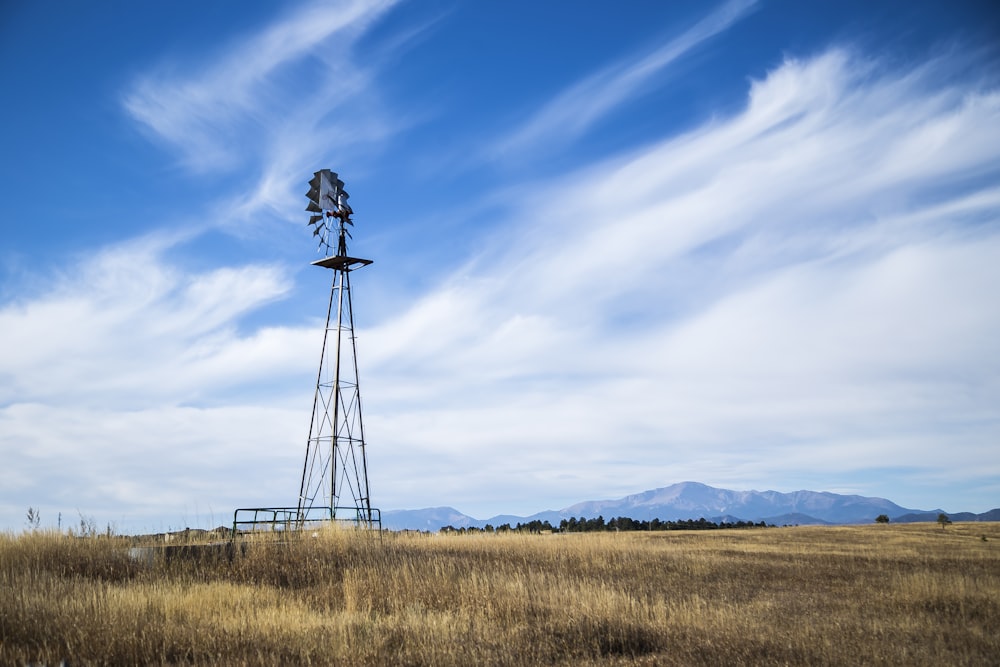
[882,518]
[943,520]
[34,518]
[534,526]
[88,527]
[628,523]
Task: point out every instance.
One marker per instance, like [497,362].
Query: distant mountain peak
[687,500]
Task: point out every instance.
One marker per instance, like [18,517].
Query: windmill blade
[322,192]
[328,199]
[328,186]
[315,192]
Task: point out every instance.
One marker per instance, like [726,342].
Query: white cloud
[129,383]
[133,359]
[127,327]
[575,110]
[137,468]
[804,285]
[271,106]
[205,115]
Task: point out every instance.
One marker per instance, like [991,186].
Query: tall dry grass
[907,594]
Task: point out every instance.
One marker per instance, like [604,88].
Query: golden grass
[898,594]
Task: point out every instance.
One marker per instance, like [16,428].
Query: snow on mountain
[692,500]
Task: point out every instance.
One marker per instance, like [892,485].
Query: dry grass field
[893,595]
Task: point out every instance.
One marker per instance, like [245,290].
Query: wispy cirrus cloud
[130,380]
[205,114]
[572,112]
[127,327]
[806,284]
[791,287]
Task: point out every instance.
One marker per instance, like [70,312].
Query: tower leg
[335,470]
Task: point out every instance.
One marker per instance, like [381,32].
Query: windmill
[335,471]
[334,483]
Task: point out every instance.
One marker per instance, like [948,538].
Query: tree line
[582,525]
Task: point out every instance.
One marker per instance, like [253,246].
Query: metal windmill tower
[335,471]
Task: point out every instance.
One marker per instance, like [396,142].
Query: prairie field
[911,594]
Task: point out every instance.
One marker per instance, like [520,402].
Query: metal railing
[281,519]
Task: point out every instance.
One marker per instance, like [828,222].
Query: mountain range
[693,500]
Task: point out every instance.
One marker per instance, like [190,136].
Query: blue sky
[754,245]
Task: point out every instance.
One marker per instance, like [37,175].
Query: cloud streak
[129,383]
[802,291]
[789,284]
[127,327]
[270,107]
[203,116]
[574,111]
